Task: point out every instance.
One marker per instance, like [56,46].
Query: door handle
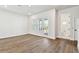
[75,30]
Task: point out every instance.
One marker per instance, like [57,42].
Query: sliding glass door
[43,26]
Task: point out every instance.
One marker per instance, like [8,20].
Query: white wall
[50,14]
[74,11]
[12,24]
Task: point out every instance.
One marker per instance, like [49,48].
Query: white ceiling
[27,10]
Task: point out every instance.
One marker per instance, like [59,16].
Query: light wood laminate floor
[36,44]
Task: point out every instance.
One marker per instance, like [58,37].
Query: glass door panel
[43,26]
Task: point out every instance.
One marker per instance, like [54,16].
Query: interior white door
[77,30]
[65,25]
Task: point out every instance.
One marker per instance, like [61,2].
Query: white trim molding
[44,36]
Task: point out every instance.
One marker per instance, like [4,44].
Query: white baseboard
[12,35]
[69,38]
[43,35]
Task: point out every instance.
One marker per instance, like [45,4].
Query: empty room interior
[39,28]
